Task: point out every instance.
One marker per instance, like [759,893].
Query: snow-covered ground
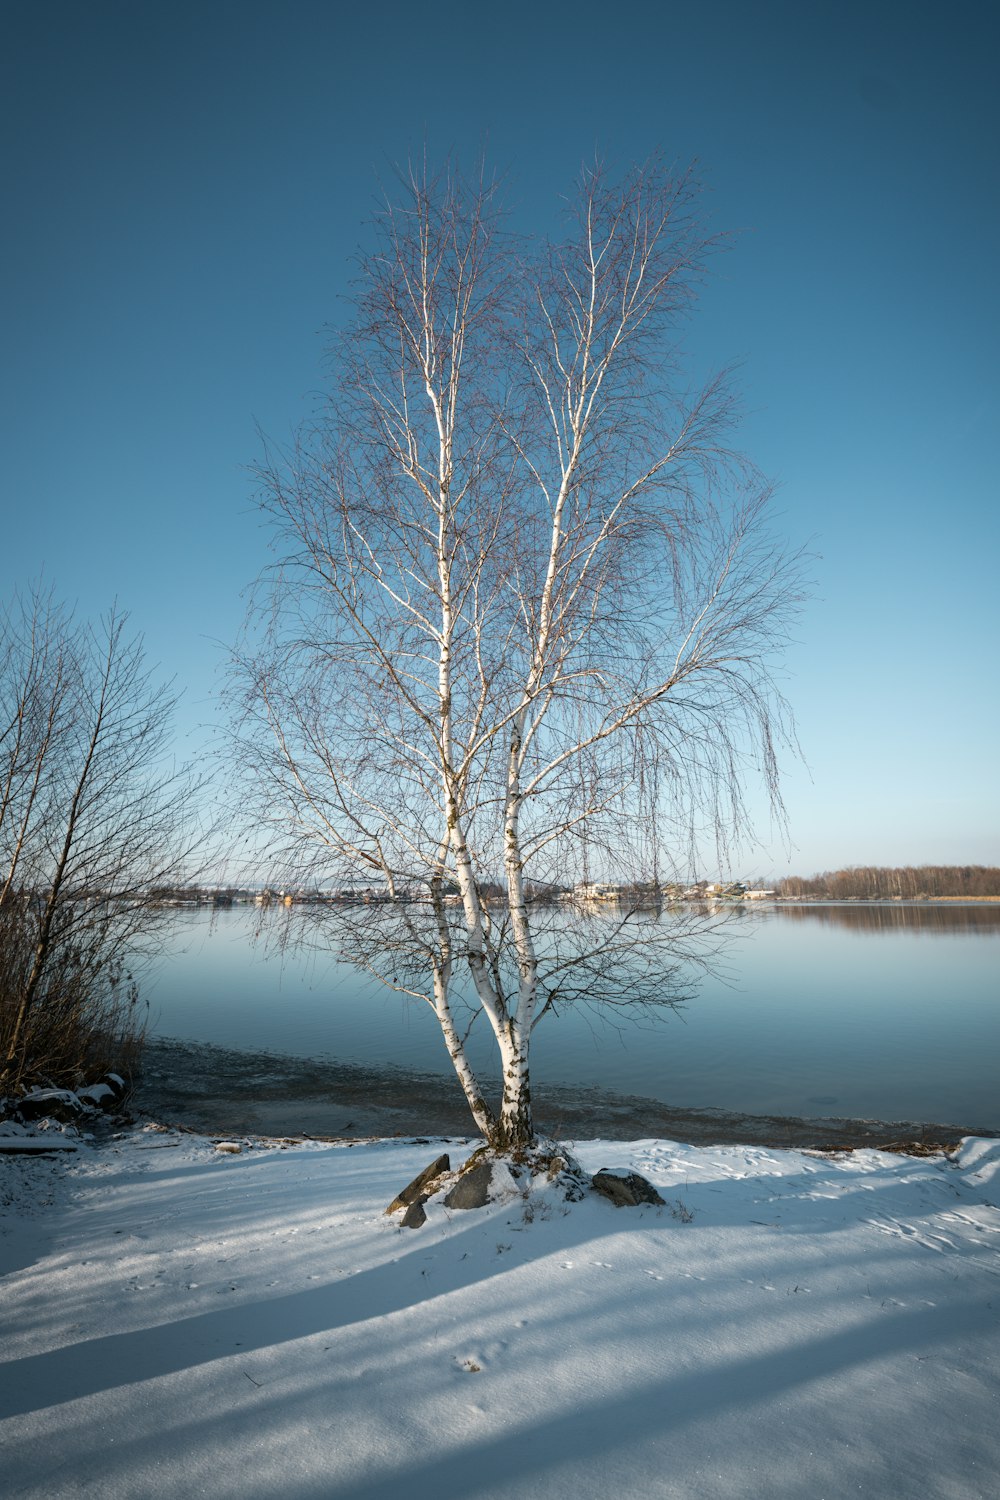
[180,1321]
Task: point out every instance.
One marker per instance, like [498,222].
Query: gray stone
[421,1185]
[472,1190]
[414,1215]
[50,1104]
[565,1173]
[107,1094]
[625,1189]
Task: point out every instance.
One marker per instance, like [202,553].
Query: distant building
[593,890]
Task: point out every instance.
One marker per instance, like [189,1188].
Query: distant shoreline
[879,900]
[212,902]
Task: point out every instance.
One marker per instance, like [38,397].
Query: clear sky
[183,186]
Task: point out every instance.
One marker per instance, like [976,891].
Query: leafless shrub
[92,814]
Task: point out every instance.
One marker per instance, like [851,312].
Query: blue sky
[184,186]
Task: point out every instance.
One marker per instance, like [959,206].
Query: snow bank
[182,1321]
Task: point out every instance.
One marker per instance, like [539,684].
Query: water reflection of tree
[899,917]
[627,958]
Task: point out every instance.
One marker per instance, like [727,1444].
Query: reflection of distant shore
[943,915]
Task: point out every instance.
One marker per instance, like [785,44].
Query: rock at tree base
[484,1179]
[472,1190]
[421,1186]
[625,1189]
[414,1215]
[564,1171]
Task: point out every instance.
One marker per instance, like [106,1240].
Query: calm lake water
[885,1012]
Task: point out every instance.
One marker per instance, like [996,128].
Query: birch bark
[515,616]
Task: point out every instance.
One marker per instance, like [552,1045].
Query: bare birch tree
[92,816]
[524,613]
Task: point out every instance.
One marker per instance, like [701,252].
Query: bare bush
[92,814]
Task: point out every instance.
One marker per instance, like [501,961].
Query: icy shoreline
[218,1089]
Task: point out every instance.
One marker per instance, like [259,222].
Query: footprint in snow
[899,1229]
[966,1221]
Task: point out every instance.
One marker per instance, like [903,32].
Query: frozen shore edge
[218,1090]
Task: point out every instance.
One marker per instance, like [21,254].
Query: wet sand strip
[260,1093]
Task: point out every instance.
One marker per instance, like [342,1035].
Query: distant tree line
[911,883]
